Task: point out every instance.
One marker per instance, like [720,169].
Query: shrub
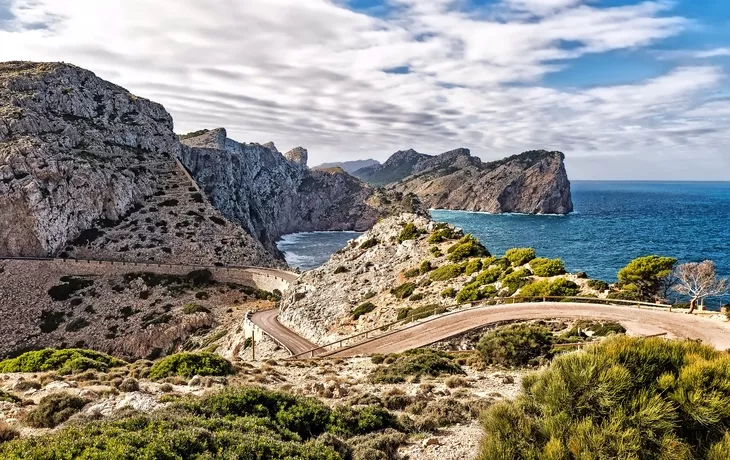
[369,243]
[243,423]
[129,385]
[341,269]
[415,363]
[515,280]
[599,329]
[71,285]
[488,276]
[436,251]
[547,267]
[518,345]
[54,409]
[623,398]
[488,261]
[409,232]
[448,292]
[64,361]
[412,273]
[403,291]
[467,247]
[416,297]
[625,295]
[469,293]
[193,308]
[7,397]
[414,314]
[559,287]
[598,285]
[442,234]
[473,266]
[520,256]
[7,433]
[425,267]
[647,275]
[446,272]
[363,309]
[189,365]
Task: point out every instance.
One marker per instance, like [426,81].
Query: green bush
[54,409]
[425,267]
[520,256]
[442,234]
[547,267]
[369,243]
[7,397]
[559,287]
[363,309]
[488,276]
[447,272]
[403,291]
[416,297]
[623,398]
[469,293]
[65,361]
[436,251]
[412,273]
[518,345]
[515,280]
[242,423]
[632,295]
[448,292]
[598,285]
[467,247]
[488,261]
[189,365]
[414,314]
[599,328]
[647,275]
[409,232]
[193,308]
[473,266]
[414,364]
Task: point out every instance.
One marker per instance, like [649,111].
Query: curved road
[636,321]
[267,320]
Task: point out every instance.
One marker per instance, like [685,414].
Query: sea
[613,223]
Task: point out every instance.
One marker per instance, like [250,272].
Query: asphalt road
[267,320]
[637,322]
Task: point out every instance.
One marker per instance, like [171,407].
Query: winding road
[268,322]
[637,322]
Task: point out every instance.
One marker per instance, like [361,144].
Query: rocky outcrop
[88,169]
[349,166]
[271,194]
[533,182]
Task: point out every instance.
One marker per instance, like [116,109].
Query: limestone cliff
[272,194]
[533,182]
[89,170]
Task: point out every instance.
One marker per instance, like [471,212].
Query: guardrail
[387,328]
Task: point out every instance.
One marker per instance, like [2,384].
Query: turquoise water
[613,223]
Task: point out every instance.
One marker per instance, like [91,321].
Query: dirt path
[637,322]
[267,320]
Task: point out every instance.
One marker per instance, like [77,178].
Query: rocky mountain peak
[271,146]
[297,155]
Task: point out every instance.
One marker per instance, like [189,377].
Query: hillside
[89,170]
[409,265]
[533,182]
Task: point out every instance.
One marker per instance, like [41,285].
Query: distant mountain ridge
[349,166]
[533,182]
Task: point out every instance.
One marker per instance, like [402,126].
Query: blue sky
[627,89]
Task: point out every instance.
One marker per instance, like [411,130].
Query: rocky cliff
[533,182]
[89,170]
[272,194]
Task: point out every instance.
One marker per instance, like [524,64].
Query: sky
[626,89]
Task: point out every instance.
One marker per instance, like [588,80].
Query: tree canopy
[647,275]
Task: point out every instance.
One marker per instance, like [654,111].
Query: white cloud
[311,72]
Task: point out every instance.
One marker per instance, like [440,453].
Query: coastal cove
[613,223]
